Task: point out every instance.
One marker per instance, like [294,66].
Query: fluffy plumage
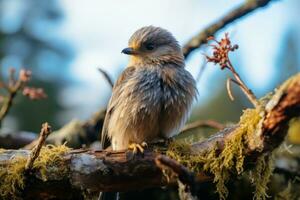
[153,96]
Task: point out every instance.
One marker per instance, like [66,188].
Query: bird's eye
[149,46]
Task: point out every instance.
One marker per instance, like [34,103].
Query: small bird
[152,98]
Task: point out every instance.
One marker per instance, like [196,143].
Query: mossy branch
[79,171]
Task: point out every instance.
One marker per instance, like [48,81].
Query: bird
[152,97]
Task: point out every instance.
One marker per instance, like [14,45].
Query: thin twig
[244,9]
[106,76]
[228,87]
[184,175]
[250,95]
[201,70]
[13,87]
[45,131]
[11,79]
[202,123]
[9,101]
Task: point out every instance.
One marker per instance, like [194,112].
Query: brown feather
[153,96]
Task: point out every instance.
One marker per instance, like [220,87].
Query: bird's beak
[128,51]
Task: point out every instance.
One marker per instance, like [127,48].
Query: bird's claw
[137,147]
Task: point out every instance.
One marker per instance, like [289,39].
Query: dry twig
[45,131]
[14,86]
[228,87]
[8,103]
[106,76]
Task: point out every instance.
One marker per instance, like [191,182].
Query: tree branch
[202,123]
[201,38]
[95,171]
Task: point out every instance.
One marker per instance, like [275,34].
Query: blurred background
[64,42]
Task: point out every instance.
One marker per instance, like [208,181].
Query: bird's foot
[137,147]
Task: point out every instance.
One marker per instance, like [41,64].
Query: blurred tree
[28,38]
[288,58]
[219,106]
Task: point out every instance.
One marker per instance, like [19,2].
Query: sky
[99,30]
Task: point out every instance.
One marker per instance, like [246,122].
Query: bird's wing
[127,73]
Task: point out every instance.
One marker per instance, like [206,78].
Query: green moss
[230,161]
[12,176]
[215,165]
[260,176]
[50,160]
[181,152]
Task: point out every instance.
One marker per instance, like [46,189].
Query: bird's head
[153,45]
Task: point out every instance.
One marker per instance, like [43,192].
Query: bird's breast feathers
[153,102]
[157,93]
